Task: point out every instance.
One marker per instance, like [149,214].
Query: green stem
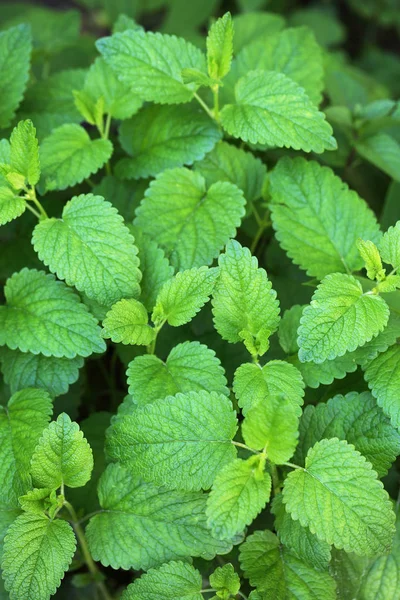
[292,465]
[215,91]
[240,445]
[33,211]
[91,565]
[207,591]
[275,479]
[256,214]
[242,595]
[203,105]
[151,348]
[107,126]
[31,196]
[261,228]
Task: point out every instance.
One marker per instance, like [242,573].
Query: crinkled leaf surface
[190,222]
[101,259]
[389,246]
[15,54]
[190,367]
[147,525]
[128,322]
[338,496]
[43,316]
[383,377]
[175,580]
[181,441]
[24,152]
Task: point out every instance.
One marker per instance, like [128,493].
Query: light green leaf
[253,384]
[151,63]
[338,496]
[22,422]
[389,246]
[355,418]
[11,205]
[128,322]
[220,47]
[243,300]
[24,152]
[15,53]
[102,258]
[225,581]
[372,260]
[62,456]
[239,493]
[163,137]
[68,156]
[190,222]
[383,378]
[339,319]
[43,316]
[181,441]
[280,575]
[190,367]
[317,219]
[383,151]
[181,298]
[261,116]
[23,369]
[306,546]
[250,26]
[293,52]
[34,542]
[120,101]
[272,425]
[228,163]
[172,581]
[287,332]
[154,267]
[147,526]
[37,501]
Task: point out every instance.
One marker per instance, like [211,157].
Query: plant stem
[261,228]
[292,465]
[207,591]
[240,445]
[91,565]
[151,348]
[107,126]
[31,196]
[215,91]
[33,211]
[275,479]
[203,105]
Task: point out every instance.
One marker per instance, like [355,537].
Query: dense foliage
[200,392]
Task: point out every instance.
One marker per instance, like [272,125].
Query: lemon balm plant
[198,335]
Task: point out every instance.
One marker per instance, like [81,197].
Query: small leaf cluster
[200,315]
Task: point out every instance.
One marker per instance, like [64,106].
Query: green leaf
[225,581]
[101,259]
[228,163]
[172,581]
[68,156]
[154,267]
[32,544]
[339,319]
[338,496]
[23,369]
[220,47]
[123,196]
[147,526]
[151,63]
[260,116]
[120,101]
[272,425]
[22,422]
[181,441]
[243,300]
[62,456]
[163,137]
[24,152]
[317,219]
[389,246]
[253,384]
[299,540]
[190,222]
[383,378]
[252,25]
[15,52]
[128,322]
[293,52]
[278,574]
[43,316]
[239,493]
[37,501]
[372,260]
[357,419]
[383,151]
[11,206]
[190,367]
[181,298]
[287,332]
